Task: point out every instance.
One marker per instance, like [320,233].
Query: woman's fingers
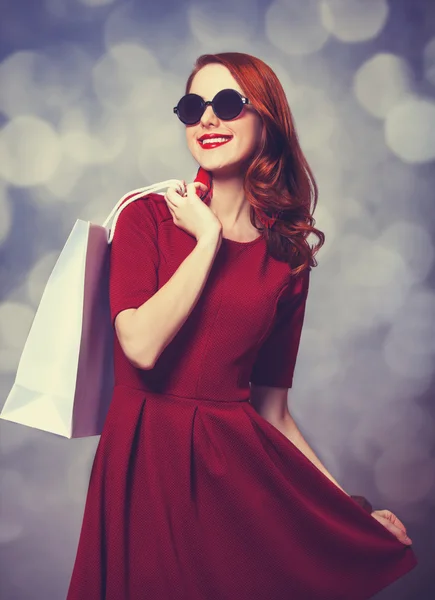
[173,194]
[393,524]
[202,187]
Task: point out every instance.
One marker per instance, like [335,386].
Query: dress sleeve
[134,257]
[276,358]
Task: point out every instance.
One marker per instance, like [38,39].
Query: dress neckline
[257,239]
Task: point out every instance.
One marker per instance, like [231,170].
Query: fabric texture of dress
[193,495]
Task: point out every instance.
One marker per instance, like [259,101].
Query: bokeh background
[86,95]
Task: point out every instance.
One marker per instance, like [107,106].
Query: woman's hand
[393,524]
[190,213]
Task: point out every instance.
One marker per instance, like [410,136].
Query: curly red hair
[279,183]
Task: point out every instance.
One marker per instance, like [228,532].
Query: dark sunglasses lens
[190,109]
[228,104]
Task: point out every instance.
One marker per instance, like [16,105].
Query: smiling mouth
[214,143]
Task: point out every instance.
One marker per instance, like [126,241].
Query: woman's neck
[229,204]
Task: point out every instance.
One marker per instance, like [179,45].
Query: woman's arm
[292,432]
[271,404]
[145,332]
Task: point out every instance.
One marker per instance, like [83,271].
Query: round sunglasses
[227,105]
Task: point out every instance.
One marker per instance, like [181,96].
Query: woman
[196,491]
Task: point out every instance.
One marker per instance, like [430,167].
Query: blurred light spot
[376,284]
[29,151]
[43,84]
[63,182]
[410,344]
[224,23]
[88,148]
[295,27]
[5,214]
[17,86]
[93,3]
[128,78]
[429,60]
[122,26]
[410,130]
[81,146]
[373,264]
[415,246]
[136,58]
[315,116]
[354,20]
[381,82]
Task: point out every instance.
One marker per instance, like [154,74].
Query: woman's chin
[219,170]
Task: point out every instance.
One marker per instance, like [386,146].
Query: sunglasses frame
[205,103]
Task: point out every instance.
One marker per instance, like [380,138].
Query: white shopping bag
[64,381]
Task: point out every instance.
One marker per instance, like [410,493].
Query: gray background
[86,95]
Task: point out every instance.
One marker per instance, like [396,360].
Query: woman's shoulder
[161,208]
[296,285]
[150,206]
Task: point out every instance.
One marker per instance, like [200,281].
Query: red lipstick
[223,139]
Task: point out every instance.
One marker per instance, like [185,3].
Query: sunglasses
[227,105]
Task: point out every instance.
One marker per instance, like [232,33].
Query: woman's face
[245,130]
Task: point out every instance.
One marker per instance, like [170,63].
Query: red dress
[193,495]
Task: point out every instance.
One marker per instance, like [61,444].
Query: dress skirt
[205,500]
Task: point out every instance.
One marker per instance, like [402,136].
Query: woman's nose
[209,116]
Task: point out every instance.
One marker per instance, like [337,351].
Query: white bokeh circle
[127,78]
[44,84]
[17,87]
[414,244]
[410,130]
[409,347]
[100,146]
[295,28]
[29,151]
[314,114]
[354,20]
[381,83]
[217,25]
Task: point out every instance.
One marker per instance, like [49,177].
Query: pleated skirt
[191,499]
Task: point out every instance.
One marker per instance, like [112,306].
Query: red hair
[279,183]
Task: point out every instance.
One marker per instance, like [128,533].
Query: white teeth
[214,140]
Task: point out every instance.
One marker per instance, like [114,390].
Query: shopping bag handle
[139,193]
